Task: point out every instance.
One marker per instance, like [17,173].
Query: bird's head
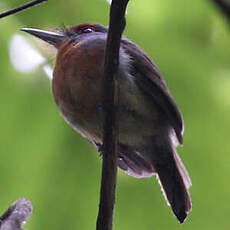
[75,33]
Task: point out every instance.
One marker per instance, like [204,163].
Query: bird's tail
[174,180]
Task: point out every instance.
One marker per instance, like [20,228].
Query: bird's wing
[149,79]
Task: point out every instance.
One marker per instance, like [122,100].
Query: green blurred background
[44,160]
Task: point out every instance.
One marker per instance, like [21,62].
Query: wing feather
[149,79]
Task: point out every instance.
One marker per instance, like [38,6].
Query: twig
[109,165]
[16,215]
[224,7]
[20,8]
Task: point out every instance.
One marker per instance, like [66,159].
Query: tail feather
[173,179]
[182,170]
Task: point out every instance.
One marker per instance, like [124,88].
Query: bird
[150,123]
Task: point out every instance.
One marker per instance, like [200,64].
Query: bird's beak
[53,38]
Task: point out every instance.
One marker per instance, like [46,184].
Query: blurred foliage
[44,160]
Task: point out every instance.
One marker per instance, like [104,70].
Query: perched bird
[150,123]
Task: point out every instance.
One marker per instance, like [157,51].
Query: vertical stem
[109,165]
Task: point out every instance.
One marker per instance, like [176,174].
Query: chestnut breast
[78,77]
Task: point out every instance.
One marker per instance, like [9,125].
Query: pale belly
[136,118]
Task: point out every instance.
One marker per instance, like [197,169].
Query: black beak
[53,38]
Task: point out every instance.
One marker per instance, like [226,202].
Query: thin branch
[16,215]
[21,8]
[109,165]
[224,7]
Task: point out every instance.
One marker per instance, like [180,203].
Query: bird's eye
[87,30]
